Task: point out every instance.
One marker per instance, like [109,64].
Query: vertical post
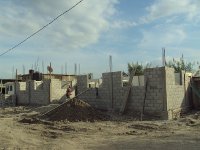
[110,63]
[111,78]
[16,75]
[79,69]
[62,69]
[23,68]
[13,70]
[42,67]
[65,68]
[50,70]
[163,57]
[1,86]
[50,90]
[75,69]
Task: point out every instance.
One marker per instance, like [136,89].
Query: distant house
[3,82]
[40,76]
[10,88]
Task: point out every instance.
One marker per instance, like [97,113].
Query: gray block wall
[39,92]
[162,95]
[22,93]
[32,92]
[177,96]
[57,92]
[7,100]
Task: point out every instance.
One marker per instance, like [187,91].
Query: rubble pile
[76,110]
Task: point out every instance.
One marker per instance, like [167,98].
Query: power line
[41,29]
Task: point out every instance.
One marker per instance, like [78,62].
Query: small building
[32,75]
[3,82]
[10,88]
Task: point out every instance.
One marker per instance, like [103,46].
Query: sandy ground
[120,133]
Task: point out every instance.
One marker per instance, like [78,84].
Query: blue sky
[129,30]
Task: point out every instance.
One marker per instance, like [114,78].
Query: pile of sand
[75,110]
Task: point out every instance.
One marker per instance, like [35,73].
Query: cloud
[79,28]
[162,37]
[167,8]
[121,24]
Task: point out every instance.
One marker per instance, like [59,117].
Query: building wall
[109,92]
[7,100]
[22,93]
[33,92]
[40,92]
[58,92]
[178,94]
[138,81]
[162,92]
[196,92]
[164,95]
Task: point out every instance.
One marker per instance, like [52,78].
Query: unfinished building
[160,92]
[164,94]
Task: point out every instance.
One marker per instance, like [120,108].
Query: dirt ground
[117,134]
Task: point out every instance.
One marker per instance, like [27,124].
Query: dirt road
[183,134]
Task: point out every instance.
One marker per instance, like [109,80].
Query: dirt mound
[76,110]
[144,126]
[34,120]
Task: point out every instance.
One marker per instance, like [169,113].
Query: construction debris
[75,110]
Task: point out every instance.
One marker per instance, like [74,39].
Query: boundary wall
[165,96]
[40,92]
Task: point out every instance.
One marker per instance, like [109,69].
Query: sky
[128,30]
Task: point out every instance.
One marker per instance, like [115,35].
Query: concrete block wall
[155,96]
[154,103]
[22,94]
[109,92]
[57,92]
[162,94]
[39,92]
[36,92]
[138,80]
[112,93]
[196,88]
[7,100]
[82,83]
[136,99]
[178,98]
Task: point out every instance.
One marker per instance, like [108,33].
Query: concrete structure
[39,76]
[7,100]
[10,88]
[2,84]
[166,94]
[40,92]
[196,92]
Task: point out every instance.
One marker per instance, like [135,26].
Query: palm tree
[135,66]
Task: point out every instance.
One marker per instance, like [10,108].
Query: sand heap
[76,110]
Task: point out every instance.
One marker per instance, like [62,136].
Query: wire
[40,29]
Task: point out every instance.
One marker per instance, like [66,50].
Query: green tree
[139,68]
[181,65]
